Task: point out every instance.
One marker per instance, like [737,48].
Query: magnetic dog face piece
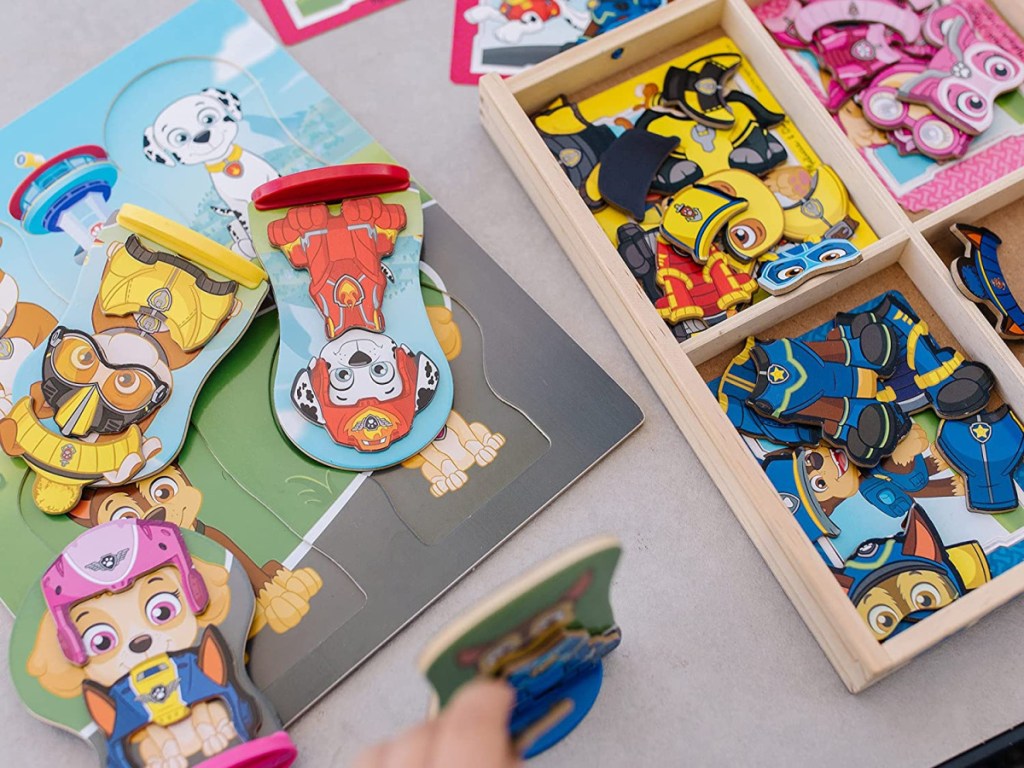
[361,382]
[695,216]
[963,80]
[979,276]
[140,628]
[801,261]
[545,635]
[926,132]
[108,398]
[698,90]
[755,231]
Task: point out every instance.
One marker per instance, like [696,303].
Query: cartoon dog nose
[140,644]
[359,358]
[157,513]
[201,138]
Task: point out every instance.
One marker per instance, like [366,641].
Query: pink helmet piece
[108,558]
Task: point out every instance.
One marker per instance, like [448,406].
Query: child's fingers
[472,732]
[371,758]
[412,749]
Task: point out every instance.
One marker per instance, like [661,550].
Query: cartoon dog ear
[427,378]
[231,102]
[304,398]
[154,152]
[101,706]
[214,658]
[48,664]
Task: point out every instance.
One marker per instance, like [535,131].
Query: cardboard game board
[508,37]
[338,561]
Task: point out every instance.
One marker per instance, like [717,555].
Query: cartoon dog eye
[819,484]
[99,638]
[178,138]
[531,17]
[970,103]
[743,235]
[127,382]
[207,116]
[883,620]
[125,513]
[925,596]
[831,255]
[790,272]
[342,377]
[163,489]
[997,66]
[162,607]
[382,372]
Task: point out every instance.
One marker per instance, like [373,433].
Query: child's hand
[471,732]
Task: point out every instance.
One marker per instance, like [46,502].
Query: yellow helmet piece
[757,230]
[695,215]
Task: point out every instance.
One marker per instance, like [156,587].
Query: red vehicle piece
[343,254]
[699,292]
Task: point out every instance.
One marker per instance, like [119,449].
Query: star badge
[981,432]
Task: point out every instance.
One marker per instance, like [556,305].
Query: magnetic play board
[338,561]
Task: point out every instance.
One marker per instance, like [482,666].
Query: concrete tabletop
[715,667]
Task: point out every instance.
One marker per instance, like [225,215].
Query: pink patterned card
[298,20]
[918,183]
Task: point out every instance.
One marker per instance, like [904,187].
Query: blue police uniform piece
[570,671]
[194,687]
[980,276]
[953,386]
[794,383]
[733,389]
[987,450]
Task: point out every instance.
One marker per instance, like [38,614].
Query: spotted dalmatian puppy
[364,389]
[201,129]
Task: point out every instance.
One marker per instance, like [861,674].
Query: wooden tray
[910,256]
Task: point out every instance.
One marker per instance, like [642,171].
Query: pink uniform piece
[856,54]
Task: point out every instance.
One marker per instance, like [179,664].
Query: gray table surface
[716,667]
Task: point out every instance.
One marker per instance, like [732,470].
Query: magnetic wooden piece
[545,635]
[628,167]
[133,633]
[190,244]
[672,367]
[330,184]
[979,276]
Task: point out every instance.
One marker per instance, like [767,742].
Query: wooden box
[910,255]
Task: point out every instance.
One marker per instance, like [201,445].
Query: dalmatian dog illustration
[365,389]
[517,18]
[201,129]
